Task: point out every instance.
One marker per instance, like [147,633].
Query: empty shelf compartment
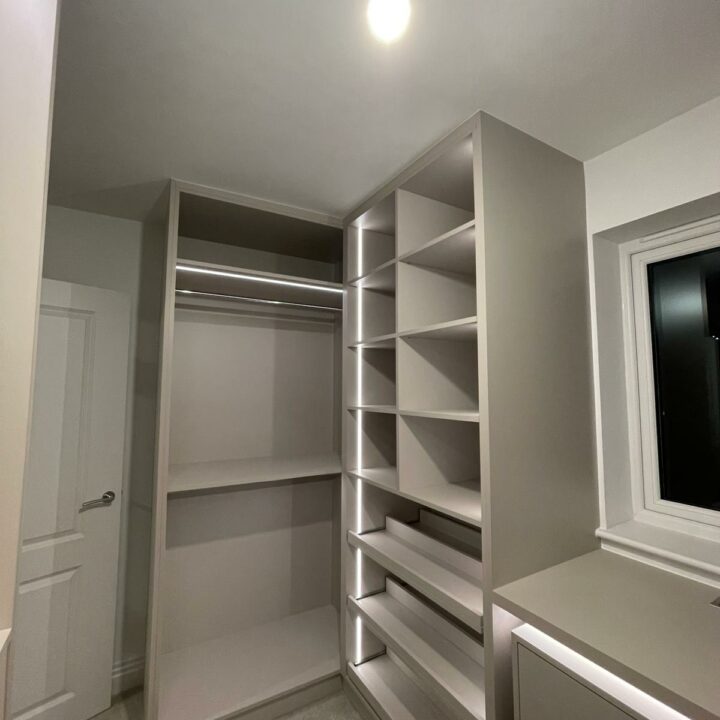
[381,278]
[463,330]
[449,577]
[194,477]
[448,660]
[392,692]
[454,251]
[373,380]
[231,674]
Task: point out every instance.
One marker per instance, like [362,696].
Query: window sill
[693,557]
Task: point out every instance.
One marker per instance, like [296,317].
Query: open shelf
[459,415]
[385,409]
[380,342]
[427,297]
[370,314]
[446,659]
[454,251]
[464,329]
[385,478]
[392,692]
[235,673]
[372,380]
[448,577]
[381,278]
[437,376]
[210,279]
[200,476]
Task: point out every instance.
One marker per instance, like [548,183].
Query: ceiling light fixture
[388,19]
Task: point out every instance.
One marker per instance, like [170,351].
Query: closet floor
[335,707]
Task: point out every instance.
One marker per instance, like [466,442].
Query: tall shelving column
[414,620]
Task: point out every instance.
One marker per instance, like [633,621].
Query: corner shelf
[448,577]
[447,660]
[379,342]
[464,329]
[195,477]
[231,674]
[454,251]
[391,692]
[386,478]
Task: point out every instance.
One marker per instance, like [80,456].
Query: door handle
[105,499]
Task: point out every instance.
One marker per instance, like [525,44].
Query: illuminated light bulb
[388,19]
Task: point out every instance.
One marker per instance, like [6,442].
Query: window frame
[648,505]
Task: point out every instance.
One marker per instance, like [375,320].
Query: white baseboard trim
[128,674]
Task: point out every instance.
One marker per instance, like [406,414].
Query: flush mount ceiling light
[388,19]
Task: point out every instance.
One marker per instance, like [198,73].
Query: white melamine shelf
[232,674]
[448,577]
[250,471]
[392,693]
[460,415]
[229,281]
[382,477]
[447,660]
[385,409]
[379,342]
[457,500]
[381,278]
[454,251]
[464,329]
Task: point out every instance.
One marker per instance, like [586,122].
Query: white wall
[114,253]
[673,164]
[27,61]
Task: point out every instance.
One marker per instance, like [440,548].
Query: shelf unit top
[223,282]
[453,251]
[449,578]
[655,629]
[216,474]
[231,674]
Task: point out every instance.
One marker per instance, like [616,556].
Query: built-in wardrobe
[450,374]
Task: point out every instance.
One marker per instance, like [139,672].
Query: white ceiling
[294,101]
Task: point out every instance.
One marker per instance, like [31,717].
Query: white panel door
[67,574]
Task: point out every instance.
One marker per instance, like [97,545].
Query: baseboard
[128,675]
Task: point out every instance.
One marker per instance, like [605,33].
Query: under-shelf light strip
[614,686]
[359,450]
[256,278]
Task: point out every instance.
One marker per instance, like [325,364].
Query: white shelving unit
[485,422]
[245,598]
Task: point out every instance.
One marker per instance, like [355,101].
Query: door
[67,572]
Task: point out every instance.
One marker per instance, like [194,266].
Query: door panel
[65,614]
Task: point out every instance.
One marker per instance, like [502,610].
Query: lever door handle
[105,499]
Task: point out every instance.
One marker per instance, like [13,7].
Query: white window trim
[648,507]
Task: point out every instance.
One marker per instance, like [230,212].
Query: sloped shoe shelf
[446,659]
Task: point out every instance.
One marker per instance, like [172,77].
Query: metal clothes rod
[241,298]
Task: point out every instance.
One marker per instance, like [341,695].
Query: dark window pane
[685,322]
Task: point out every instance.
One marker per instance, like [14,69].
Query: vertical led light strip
[359,445]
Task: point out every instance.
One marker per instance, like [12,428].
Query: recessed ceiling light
[388,19]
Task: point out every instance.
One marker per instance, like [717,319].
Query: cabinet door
[545,692]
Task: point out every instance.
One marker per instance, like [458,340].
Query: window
[674,347]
